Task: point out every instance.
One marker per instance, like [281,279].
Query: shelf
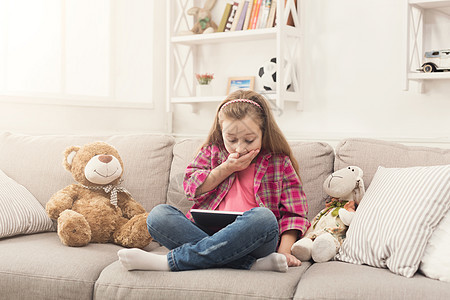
[233,36]
[223,37]
[220,98]
[427,4]
[190,100]
[185,55]
[271,96]
[288,96]
[425,76]
[416,38]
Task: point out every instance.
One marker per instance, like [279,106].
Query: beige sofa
[37,266]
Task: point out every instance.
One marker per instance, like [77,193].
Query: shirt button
[219,161]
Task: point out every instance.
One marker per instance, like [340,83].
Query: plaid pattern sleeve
[196,173]
[280,189]
[293,205]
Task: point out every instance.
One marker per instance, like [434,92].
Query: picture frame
[237,83]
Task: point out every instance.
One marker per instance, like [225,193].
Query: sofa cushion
[38,266]
[369,154]
[36,162]
[116,282]
[396,217]
[339,280]
[20,212]
[315,164]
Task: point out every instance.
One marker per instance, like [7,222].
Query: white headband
[241,100]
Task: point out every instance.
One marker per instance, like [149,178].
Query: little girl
[245,165]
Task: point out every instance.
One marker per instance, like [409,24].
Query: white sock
[137,259]
[272,262]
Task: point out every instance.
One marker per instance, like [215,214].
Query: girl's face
[241,136]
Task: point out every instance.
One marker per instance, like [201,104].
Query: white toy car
[436,61]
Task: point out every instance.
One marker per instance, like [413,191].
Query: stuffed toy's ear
[69,155]
[209,4]
[193,11]
[359,189]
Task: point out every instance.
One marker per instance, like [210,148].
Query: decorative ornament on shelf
[203,87]
[203,19]
[436,61]
[267,73]
[204,79]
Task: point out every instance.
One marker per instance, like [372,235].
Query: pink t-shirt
[241,196]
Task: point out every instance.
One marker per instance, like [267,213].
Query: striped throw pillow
[396,217]
[20,211]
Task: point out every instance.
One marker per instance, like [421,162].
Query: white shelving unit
[183,58]
[416,38]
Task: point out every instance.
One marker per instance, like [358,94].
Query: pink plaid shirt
[276,186]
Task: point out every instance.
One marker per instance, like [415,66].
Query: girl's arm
[234,163]
[197,180]
[197,172]
[215,177]
[293,205]
[288,238]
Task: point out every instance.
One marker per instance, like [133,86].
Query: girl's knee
[263,212]
[263,217]
[157,214]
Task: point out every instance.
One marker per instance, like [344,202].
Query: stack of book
[248,14]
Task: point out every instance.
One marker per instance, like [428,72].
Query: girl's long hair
[273,139]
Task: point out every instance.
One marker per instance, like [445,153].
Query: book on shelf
[248,14]
[225,15]
[242,16]
[258,19]
[255,14]
[264,13]
[237,15]
[272,12]
[232,15]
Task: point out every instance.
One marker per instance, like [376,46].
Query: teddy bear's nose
[105,158]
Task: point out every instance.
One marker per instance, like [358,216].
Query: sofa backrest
[154,165]
[369,154]
[315,161]
[36,163]
[184,151]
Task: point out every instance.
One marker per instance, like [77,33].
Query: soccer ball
[268,75]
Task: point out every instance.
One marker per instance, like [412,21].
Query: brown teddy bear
[96,209]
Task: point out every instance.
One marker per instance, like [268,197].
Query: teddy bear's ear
[69,155]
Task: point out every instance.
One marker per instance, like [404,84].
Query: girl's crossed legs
[248,243]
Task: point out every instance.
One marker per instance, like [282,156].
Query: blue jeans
[251,236]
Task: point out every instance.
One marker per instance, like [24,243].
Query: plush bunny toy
[204,23]
[323,239]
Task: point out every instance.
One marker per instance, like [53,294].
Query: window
[77,50]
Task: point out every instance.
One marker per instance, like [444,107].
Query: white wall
[352,86]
